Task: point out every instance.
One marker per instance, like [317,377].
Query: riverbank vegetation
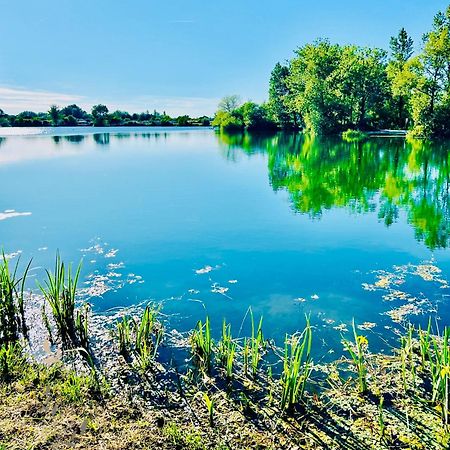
[329,88]
[225,391]
[73,115]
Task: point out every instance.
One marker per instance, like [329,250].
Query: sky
[177,56]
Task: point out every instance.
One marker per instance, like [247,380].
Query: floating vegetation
[388,283]
[204,270]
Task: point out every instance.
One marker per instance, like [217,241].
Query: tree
[229,103]
[54,114]
[75,111]
[255,117]
[338,87]
[279,97]
[402,47]
[100,114]
[427,77]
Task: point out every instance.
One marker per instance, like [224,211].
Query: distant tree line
[73,115]
[329,88]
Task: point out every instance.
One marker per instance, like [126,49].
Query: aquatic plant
[209,402]
[440,372]
[297,367]
[202,345]
[381,424]
[407,358]
[12,314]
[226,349]
[81,325]
[254,346]
[60,292]
[357,353]
[148,335]
[124,328]
[11,360]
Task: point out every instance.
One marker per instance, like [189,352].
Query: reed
[440,372]
[255,344]
[227,350]
[297,367]
[12,310]
[124,329]
[357,353]
[209,402]
[148,336]
[60,290]
[202,345]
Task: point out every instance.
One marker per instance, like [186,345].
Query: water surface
[210,223]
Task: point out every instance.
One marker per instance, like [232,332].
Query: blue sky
[181,56]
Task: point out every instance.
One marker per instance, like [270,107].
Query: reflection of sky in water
[168,204]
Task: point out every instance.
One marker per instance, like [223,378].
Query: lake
[208,223]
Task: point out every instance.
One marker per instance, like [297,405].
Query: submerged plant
[357,353]
[202,345]
[297,367]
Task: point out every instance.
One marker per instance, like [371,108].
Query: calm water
[285,224]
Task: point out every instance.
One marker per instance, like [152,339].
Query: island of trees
[329,88]
[73,115]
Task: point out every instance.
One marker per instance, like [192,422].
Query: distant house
[83,123]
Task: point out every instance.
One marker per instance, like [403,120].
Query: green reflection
[382,175]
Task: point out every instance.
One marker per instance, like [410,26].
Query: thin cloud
[15,100]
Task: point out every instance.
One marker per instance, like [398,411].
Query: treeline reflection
[382,175]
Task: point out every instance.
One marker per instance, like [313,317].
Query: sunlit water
[212,224]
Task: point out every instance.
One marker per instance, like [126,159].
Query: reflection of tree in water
[75,139]
[383,175]
[101,138]
[2,140]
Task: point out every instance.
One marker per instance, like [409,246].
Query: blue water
[174,201]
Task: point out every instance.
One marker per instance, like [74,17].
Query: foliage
[100,115]
[338,87]
[279,98]
[55,115]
